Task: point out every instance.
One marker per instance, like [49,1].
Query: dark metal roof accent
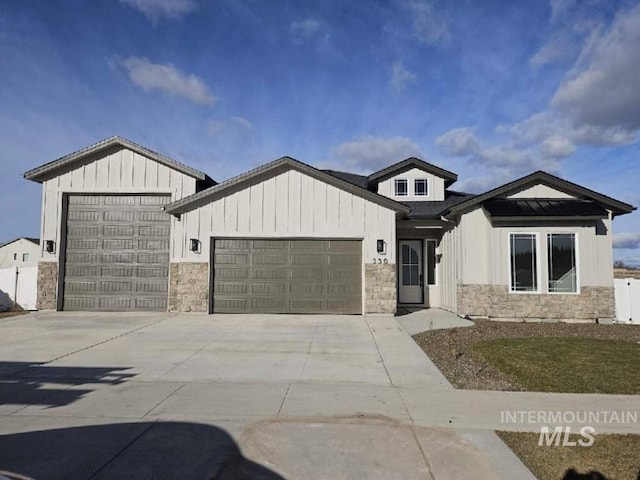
[51,169]
[543,207]
[361,181]
[436,209]
[30,239]
[540,177]
[192,201]
[409,163]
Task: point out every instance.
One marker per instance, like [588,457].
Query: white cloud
[369,153]
[559,8]
[430,24]
[603,90]
[557,146]
[401,77]
[167,78]
[626,240]
[154,9]
[308,30]
[558,47]
[232,125]
[459,142]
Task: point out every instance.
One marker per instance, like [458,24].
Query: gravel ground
[451,349]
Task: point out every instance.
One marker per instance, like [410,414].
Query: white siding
[435,186]
[484,250]
[19,247]
[123,171]
[540,191]
[447,266]
[289,204]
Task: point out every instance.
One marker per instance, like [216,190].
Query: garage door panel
[287,276]
[113,259]
[269,273]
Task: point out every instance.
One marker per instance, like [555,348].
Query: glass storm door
[410,287]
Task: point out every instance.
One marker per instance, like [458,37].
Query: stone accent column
[47,286]
[188,287]
[495,301]
[380,288]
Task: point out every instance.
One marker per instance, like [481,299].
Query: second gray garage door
[287,276]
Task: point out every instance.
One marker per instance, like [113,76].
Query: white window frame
[577,254]
[538,290]
[27,257]
[426,187]
[15,256]
[395,187]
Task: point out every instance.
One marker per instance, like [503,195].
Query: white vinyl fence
[627,300]
[18,288]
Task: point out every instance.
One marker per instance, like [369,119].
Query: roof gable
[35,241]
[408,164]
[284,163]
[544,178]
[68,162]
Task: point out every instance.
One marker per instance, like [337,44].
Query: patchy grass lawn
[566,364]
[613,456]
[548,357]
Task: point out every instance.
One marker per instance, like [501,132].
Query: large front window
[561,251]
[523,257]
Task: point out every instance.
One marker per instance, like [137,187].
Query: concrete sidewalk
[422,320]
[202,396]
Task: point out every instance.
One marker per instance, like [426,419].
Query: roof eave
[48,170]
[182,206]
[407,163]
[617,207]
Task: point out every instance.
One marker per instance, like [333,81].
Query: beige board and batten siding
[289,204]
[540,191]
[484,249]
[435,184]
[123,171]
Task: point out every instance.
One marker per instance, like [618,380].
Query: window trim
[395,187]
[426,187]
[577,254]
[28,257]
[538,289]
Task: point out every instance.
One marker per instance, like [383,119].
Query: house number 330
[380,260]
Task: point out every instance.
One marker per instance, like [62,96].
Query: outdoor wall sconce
[381,246]
[194,244]
[49,246]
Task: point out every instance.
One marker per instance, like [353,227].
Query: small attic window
[401,188]
[421,187]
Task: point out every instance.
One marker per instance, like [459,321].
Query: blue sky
[491,90]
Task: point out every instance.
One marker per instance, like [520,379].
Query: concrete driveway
[95,395]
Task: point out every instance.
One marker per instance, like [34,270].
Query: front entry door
[410,286]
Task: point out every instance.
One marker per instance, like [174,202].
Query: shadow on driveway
[33,383]
[155,450]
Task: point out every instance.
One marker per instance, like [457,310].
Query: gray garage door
[287,276]
[117,253]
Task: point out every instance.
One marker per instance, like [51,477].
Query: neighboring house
[21,252]
[130,229]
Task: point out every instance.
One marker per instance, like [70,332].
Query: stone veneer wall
[380,288]
[47,286]
[188,287]
[495,301]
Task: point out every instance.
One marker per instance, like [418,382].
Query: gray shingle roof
[430,210]
[361,181]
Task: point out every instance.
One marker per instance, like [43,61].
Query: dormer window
[401,187]
[421,187]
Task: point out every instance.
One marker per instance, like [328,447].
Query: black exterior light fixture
[381,246]
[49,246]
[194,245]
